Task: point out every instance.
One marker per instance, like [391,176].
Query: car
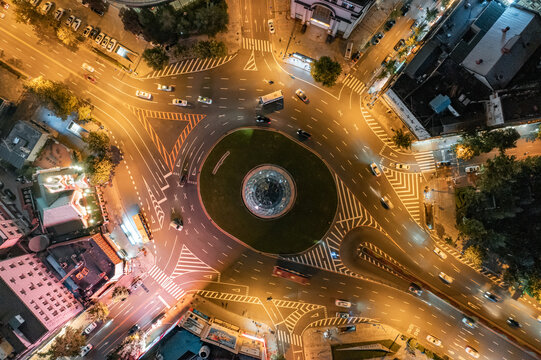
[94,33]
[45,8]
[90,78]
[440,253]
[416,289]
[204,100]
[4,4]
[405,8]
[134,329]
[433,340]
[492,297]
[58,14]
[112,44]
[342,315]
[301,95]
[99,38]
[389,25]
[271,26]
[34,2]
[399,45]
[183,180]
[303,134]
[402,166]
[356,56]
[85,350]
[100,12]
[472,352]
[386,60]
[375,169]
[177,224]
[472,169]
[375,40]
[165,87]
[342,303]
[105,41]
[87,31]
[69,20]
[143,94]
[441,164]
[262,119]
[386,202]
[445,278]
[10,195]
[90,328]
[513,323]
[468,321]
[180,102]
[346,329]
[76,24]
[87,67]
[136,284]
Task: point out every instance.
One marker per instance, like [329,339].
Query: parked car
[375,169]
[472,352]
[416,289]
[58,14]
[490,296]
[87,67]
[99,38]
[90,328]
[90,78]
[34,2]
[86,349]
[87,31]
[271,26]
[112,44]
[177,224]
[180,102]
[204,100]
[105,41]
[472,169]
[262,119]
[69,20]
[45,8]
[342,303]
[445,278]
[165,87]
[405,8]
[399,45]
[402,166]
[100,12]
[440,253]
[386,202]
[375,40]
[76,24]
[94,33]
[435,341]
[143,94]
[342,315]
[134,329]
[389,25]
[10,195]
[301,95]
[303,134]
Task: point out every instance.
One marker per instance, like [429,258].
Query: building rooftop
[21,142]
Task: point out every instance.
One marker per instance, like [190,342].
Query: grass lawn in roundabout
[315,202]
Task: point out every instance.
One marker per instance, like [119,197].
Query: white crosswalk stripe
[335,321]
[166,283]
[190,66]
[250,64]
[426,161]
[354,84]
[188,263]
[377,129]
[229,297]
[300,310]
[407,186]
[256,44]
[351,214]
[285,338]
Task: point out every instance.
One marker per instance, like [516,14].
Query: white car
[271,26]
[111,45]
[34,2]
[375,169]
[69,20]
[472,352]
[180,102]
[402,166]
[435,341]
[440,253]
[342,303]
[205,100]
[58,14]
[165,87]
[99,38]
[87,67]
[88,30]
[90,327]
[45,8]
[445,278]
[471,169]
[386,202]
[85,350]
[105,42]
[143,94]
[76,24]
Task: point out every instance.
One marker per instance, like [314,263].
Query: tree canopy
[475,143]
[68,344]
[120,293]
[156,58]
[98,312]
[98,142]
[326,71]
[401,139]
[211,48]
[57,96]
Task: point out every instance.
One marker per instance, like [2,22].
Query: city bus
[275,96]
[142,226]
[290,275]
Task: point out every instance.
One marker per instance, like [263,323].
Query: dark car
[94,33]
[134,329]
[346,329]
[303,134]
[513,323]
[4,4]
[11,196]
[399,45]
[405,8]
[100,12]
[262,119]
[183,180]
[389,25]
[375,40]
[416,289]
[492,297]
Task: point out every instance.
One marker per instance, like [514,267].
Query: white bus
[266,99]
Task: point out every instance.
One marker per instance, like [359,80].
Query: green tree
[98,142]
[68,344]
[463,152]
[401,139]
[395,14]
[84,112]
[98,312]
[445,3]
[120,293]
[278,357]
[502,139]
[156,58]
[498,173]
[211,19]
[130,19]
[211,48]
[474,255]
[99,169]
[326,71]
[130,348]
[57,96]
[66,36]
[431,14]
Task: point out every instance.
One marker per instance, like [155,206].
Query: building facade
[338,17]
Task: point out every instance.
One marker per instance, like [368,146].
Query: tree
[130,348]
[212,18]
[66,36]
[445,3]
[120,293]
[401,139]
[84,112]
[278,357]
[99,5]
[130,19]
[98,312]
[156,58]
[99,169]
[463,152]
[431,14]
[211,48]
[98,142]
[474,255]
[326,71]
[57,96]
[395,14]
[68,344]
[503,139]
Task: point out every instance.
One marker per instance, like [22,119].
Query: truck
[141,225]
[274,96]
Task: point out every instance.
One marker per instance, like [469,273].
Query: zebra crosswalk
[229,297]
[166,283]
[257,44]
[190,66]
[407,186]
[377,129]
[336,321]
[354,84]
[426,161]
[286,338]
[300,310]
[188,263]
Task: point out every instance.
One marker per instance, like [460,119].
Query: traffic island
[268,191]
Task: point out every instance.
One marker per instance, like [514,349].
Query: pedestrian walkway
[229,297]
[286,338]
[257,45]
[378,130]
[406,185]
[300,310]
[354,84]
[191,66]
[189,263]
[251,64]
[426,161]
[337,321]
[166,283]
